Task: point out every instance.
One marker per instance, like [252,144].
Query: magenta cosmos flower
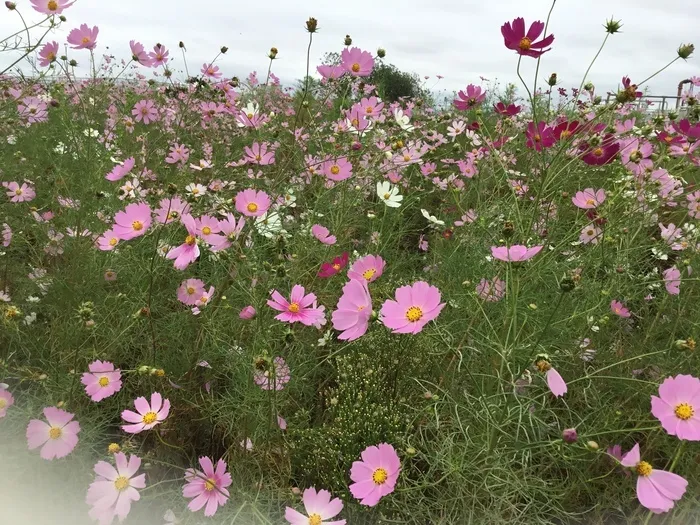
[132,222]
[354,310]
[510,110]
[588,198]
[333,268]
[515,253]
[6,401]
[540,136]
[83,37]
[17,193]
[678,406]
[515,38]
[469,98]
[48,54]
[319,508]
[300,308]
[271,375]
[415,306]
[51,7]
[59,436]
[375,476]
[322,234]
[113,490]
[188,251]
[357,62]
[369,268]
[148,415]
[618,308]
[252,203]
[657,490]
[207,487]
[102,380]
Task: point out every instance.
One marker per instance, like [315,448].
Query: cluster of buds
[149,370]
[86,312]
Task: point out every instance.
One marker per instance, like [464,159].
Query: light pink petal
[198,502]
[670,485]
[295,517]
[632,457]
[649,496]
[156,402]
[132,417]
[142,405]
[556,383]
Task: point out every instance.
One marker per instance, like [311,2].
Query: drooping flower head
[672,280]
[300,308]
[57,438]
[354,310]
[138,54]
[319,508]
[515,253]
[207,487]
[188,251]
[678,406]
[375,476]
[322,234]
[555,382]
[102,380]
[149,415]
[113,490]
[48,54]
[524,43]
[368,268]
[331,72]
[415,306]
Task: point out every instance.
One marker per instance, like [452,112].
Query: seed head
[312,25]
[685,51]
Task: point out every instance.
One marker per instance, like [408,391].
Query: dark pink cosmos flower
[630,89]
[539,137]
[357,62]
[48,54]
[331,71]
[601,154]
[523,43]
[686,129]
[83,37]
[565,130]
[510,110]
[331,269]
[469,98]
[515,253]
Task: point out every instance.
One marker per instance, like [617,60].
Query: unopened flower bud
[73,63]
[273,53]
[348,40]
[567,284]
[181,45]
[296,491]
[552,79]
[381,52]
[11,5]
[143,370]
[223,50]
[411,451]
[613,26]
[569,435]
[592,445]
[62,18]
[311,25]
[685,51]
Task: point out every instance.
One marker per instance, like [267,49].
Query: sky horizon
[459,40]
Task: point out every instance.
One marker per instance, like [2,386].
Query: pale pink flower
[322,234]
[59,436]
[6,401]
[230,231]
[107,241]
[619,309]
[415,306]
[132,222]
[357,62]
[207,487]
[271,375]
[138,54]
[247,313]
[6,235]
[148,415]
[83,37]
[300,308]
[146,111]
[51,7]
[588,198]
[159,55]
[17,193]
[354,310]
[678,406]
[171,209]
[319,508]
[188,251]
[113,490]
[259,154]
[207,227]
[190,291]
[121,170]
[515,253]
[672,280]
[252,203]
[376,475]
[48,54]
[555,382]
[102,380]
[211,71]
[369,268]
[590,234]
[491,291]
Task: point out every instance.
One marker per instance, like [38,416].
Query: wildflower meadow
[226,300]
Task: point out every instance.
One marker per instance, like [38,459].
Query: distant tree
[394,84]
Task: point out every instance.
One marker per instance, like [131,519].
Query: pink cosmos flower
[146,111]
[333,268]
[247,313]
[33,110]
[59,437]
[588,198]
[121,170]
[672,280]
[298,309]
[357,62]
[6,401]
[635,154]
[252,203]
[319,507]
[338,169]
[515,253]
[259,154]
[107,241]
[171,210]
[138,54]
[83,37]
[113,490]
[207,487]
[17,193]
[102,380]
[470,98]
[148,415]
[331,72]
[51,7]
[178,153]
[368,268]
[510,110]
[190,291]
[48,54]
[132,222]
[188,251]
[230,229]
[159,55]
[540,136]
[211,71]
[6,235]
[354,310]
[523,43]
[678,406]
[491,291]
[619,309]
[590,234]
[271,375]
[375,476]
[322,234]
[657,490]
[415,306]
[207,227]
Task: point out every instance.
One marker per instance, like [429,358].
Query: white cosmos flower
[196,190]
[403,120]
[269,224]
[432,218]
[389,194]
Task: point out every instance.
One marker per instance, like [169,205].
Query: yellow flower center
[52,5]
[258,158]
[18,191]
[294,308]
[206,230]
[315,519]
[195,191]
[55,433]
[113,241]
[173,215]
[250,115]
[137,225]
[414,314]
[190,240]
[684,411]
[355,122]
[51,56]
[355,67]
[121,483]
[144,110]
[368,274]
[150,417]
[525,44]
[643,468]
[565,134]
[204,299]
[406,158]
[190,290]
[336,267]
[590,202]
[252,207]
[104,381]
[85,40]
[369,109]
[598,152]
[209,484]
[335,170]
[386,196]
[3,403]
[379,476]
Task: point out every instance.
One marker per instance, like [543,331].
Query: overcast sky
[458,39]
